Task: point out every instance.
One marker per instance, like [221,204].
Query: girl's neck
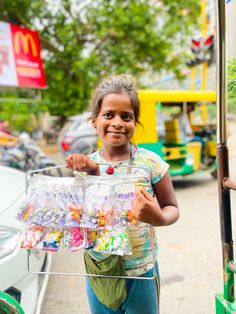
[116,153]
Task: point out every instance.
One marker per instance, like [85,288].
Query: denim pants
[142,297]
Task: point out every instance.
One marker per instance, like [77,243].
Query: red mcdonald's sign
[25,64]
[25,42]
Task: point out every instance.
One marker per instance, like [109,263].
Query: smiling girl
[115,114]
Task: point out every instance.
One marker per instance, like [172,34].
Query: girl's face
[115,122]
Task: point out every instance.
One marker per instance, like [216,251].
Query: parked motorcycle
[27,155]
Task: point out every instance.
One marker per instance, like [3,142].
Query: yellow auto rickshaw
[160,129]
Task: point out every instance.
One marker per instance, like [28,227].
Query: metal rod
[44,169]
[89,275]
[30,172]
[94,275]
[222,155]
[224,194]
[152,230]
[221,72]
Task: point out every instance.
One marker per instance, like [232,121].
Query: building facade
[231,29]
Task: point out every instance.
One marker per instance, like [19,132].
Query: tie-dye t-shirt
[152,168]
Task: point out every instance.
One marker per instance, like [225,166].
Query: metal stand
[30,174]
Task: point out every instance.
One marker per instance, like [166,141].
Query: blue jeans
[142,297]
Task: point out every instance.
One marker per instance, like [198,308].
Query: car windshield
[75,121]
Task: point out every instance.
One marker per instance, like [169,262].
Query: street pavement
[190,258]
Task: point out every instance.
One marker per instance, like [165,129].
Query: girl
[115,114]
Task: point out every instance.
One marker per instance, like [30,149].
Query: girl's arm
[82,163]
[159,211]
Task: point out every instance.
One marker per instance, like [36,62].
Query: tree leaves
[232,85]
[86,40]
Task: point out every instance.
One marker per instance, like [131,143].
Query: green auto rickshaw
[160,129]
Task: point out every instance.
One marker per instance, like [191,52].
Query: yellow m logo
[26,41]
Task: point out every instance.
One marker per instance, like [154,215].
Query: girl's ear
[94,123]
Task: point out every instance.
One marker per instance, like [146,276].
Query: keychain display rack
[97,205]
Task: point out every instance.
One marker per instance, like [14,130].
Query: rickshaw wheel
[9,305]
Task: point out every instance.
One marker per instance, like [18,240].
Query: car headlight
[9,239]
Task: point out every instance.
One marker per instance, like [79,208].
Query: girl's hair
[117,84]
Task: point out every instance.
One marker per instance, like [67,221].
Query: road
[190,257]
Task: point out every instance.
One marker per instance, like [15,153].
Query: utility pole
[203,35]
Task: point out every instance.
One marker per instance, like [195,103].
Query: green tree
[22,108]
[232,85]
[83,41]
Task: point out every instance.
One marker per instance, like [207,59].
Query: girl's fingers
[79,162]
[69,162]
[139,200]
[84,162]
[139,196]
[143,198]
[147,195]
[74,161]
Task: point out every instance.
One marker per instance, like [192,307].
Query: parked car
[78,135]
[27,288]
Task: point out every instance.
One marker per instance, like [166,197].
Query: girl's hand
[82,163]
[163,212]
[147,209]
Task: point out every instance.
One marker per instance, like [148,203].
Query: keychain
[67,214]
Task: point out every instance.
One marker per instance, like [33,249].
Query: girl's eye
[127,117]
[107,115]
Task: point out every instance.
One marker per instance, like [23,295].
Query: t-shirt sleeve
[94,156]
[157,166]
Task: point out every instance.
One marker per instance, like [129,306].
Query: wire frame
[152,232]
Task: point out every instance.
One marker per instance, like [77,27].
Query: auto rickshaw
[184,157]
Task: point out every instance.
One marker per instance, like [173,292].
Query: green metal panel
[180,170]
[223,307]
[228,283]
[154,147]
[177,167]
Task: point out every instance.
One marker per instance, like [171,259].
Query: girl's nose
[117,122]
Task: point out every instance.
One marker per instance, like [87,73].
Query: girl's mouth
[116,133]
